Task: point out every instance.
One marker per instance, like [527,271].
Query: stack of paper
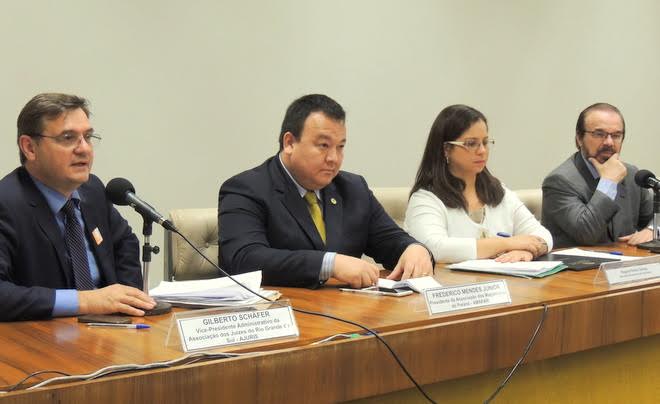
[213,292]
[531,269]
[577,252]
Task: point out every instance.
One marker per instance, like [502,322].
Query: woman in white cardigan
[457,208]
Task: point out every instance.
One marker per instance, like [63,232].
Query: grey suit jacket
[576,214]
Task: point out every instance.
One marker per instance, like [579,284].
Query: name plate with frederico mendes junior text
[236,327]
[462,297]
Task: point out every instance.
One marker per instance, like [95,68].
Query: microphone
[120,191]
[646,179]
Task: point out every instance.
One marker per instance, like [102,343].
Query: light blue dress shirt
[66,300]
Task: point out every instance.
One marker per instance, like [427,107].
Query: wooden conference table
[581,316]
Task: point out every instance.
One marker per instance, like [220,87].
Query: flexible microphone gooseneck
[646,179]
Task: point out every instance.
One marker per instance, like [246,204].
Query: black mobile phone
[397,291]
[104,318]
[375,290]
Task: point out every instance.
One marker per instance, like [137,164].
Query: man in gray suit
[592,198]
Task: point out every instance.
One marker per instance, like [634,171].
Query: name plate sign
[236,327]
[470,296]
[632,271]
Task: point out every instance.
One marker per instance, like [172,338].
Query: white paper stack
[213,292]
[595,254]
[534,269]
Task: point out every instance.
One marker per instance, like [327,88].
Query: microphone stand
[147,249]
[654,245]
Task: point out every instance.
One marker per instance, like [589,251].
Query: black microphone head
[116,190]
[642,177]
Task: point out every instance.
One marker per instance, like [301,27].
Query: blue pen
[109,325]
[503,234]
[615,252]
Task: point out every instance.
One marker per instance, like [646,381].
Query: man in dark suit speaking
[301,221]
[64,249]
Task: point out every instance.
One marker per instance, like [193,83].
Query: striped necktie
[315,211]
[75,243]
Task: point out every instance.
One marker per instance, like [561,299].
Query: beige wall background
[187,94]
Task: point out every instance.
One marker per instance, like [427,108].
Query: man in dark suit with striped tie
[301,220]
[64,249]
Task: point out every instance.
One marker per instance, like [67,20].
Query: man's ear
[27,144]
[287,142]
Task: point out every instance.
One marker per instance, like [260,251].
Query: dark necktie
[75,243]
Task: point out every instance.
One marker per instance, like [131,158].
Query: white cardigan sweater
[452,236]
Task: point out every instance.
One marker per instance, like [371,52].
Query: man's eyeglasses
[602,135]
[473,144]
[71,139]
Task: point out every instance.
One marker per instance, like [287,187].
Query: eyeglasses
[473,144]
[602,135]
[71,139]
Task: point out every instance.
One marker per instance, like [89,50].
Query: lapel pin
[97,236]
[333,201]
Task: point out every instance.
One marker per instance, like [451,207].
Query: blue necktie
[75,243]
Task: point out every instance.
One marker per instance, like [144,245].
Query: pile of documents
[531,269]
[213,292]
[578,252]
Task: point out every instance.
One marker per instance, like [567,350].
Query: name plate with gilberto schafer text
[224,328]
[462,297]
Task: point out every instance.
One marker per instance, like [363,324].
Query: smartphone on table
[375,290]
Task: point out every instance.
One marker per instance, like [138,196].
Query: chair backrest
[533,199]
[394,201]
[181,260]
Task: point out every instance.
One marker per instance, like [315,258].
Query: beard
[603,154]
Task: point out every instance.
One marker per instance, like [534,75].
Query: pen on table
[609,252]
[503,234]
[110,325]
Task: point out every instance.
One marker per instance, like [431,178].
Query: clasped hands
[523,248]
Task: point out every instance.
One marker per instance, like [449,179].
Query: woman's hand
[515,256]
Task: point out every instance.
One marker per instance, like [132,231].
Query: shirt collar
[302,191]
[55,199]
[590,166]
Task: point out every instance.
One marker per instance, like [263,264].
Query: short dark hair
[300,109]
[44,107]
[434,175]
[599,106]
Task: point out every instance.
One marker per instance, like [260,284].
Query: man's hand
[515,256]
[534,244]
[413,263]
[613,169]
[115,299]
[354,271]
[638,237]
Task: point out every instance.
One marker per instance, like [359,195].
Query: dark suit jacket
[576,214]
[33,257]
[265,224]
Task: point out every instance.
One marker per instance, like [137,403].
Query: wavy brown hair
[434,175]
